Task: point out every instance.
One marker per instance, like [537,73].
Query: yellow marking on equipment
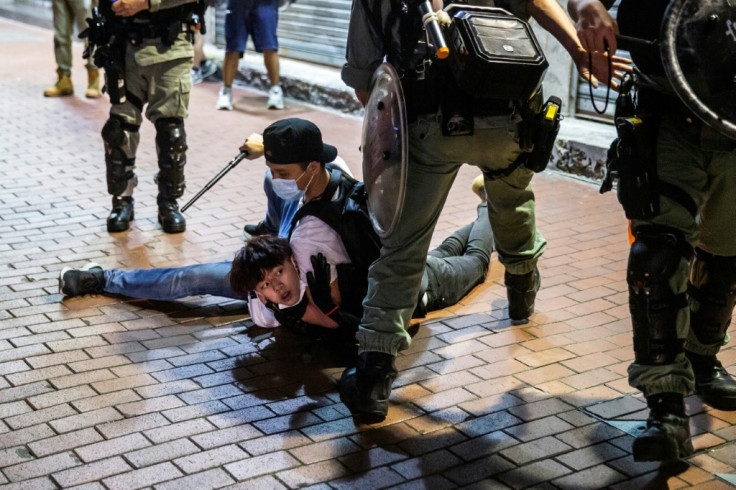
[551,112]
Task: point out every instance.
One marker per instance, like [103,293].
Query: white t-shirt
[310,236]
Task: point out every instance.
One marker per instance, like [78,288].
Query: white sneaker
[225,99]
[276,97]
[196,76]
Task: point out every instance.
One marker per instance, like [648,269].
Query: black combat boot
[521,291]
[90,279]
[169,216]
[713,384]
[667,436]
[121,214]
[365,388]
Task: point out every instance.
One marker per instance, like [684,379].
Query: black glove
[319,284]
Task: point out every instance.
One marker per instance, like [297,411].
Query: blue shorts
[257,18]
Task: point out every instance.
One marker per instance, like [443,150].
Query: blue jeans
[279,212]
[198,279]
[172,283]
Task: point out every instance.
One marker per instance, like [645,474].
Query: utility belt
[442,98]
[168,32]
[632,157]
[690,126]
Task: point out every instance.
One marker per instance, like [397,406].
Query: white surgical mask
[302,291]
[288,190]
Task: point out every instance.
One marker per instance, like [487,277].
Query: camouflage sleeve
[365,48]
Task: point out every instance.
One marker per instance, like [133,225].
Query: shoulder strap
[317,207]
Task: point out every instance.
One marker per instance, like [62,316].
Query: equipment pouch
[547,124]
[115,81]
[456,106]
[634,159]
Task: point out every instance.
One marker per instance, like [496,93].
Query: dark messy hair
[259,255]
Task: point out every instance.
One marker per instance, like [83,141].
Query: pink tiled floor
[121,393]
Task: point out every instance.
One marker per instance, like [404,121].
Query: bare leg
[198,49]
[271,61]
[229,67]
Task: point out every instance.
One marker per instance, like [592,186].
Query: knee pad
[119,167]
[654,258]
[171,144]
[712,295]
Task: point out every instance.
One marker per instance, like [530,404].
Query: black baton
[233,163]
[429,19]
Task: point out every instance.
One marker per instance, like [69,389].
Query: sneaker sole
[88,266]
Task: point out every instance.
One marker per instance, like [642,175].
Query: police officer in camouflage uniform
[391,29]
[682,264]
[157,59]
[68,14]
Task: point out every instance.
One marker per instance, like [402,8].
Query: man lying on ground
[453,269]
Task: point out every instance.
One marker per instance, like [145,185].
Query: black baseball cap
[296,140]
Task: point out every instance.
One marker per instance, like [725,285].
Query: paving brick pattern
[111,392]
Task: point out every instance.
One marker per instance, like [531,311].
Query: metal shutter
[584,106]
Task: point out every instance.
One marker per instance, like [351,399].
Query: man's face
[290,171]
[280,284]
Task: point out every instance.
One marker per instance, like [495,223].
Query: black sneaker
[90,279]
[250,231]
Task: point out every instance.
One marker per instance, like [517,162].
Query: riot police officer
[438,143]
[677,179]
[148,63]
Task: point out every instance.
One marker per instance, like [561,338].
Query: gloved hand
[318,281]
[319,285]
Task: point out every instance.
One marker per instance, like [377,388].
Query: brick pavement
[109,392]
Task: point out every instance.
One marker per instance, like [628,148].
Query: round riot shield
[698,47]
[384,148]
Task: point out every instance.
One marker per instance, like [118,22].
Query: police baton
[233,163]
[429,20]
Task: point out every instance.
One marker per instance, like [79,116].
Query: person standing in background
[259,19]
[67,14]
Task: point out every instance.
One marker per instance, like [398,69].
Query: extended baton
[429,19]
[216,179]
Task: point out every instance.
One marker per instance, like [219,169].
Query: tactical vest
[348,216]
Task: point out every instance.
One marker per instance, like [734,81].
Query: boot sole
[172,228]
[371,413]
[652,450]
[363,415]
